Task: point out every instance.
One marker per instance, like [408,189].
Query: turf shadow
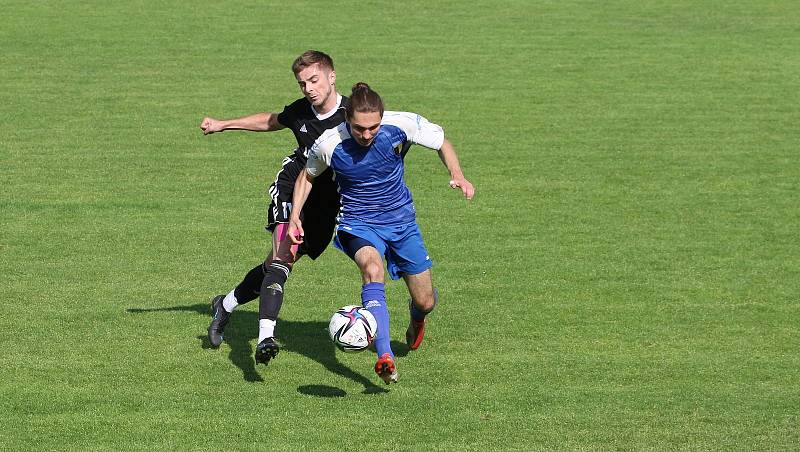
[308,338]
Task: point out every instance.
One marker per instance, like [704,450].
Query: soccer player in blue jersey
[377,218]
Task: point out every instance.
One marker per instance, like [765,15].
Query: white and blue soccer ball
[352,328]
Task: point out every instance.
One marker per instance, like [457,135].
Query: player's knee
[373,272]
[425,304]
[286,254]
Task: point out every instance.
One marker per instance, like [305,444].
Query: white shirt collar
[330,113]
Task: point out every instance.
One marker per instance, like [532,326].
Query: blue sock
[373,298]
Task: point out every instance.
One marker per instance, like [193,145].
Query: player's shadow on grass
[307,338]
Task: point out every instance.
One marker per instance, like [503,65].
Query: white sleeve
[418,129]
[319,156]
[316,164]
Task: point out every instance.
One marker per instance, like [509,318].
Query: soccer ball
[352,328]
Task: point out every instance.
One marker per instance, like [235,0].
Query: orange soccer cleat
[386,369]
[415,333]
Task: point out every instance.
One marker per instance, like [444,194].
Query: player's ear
[332,77]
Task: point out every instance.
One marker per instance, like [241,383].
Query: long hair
[363,100]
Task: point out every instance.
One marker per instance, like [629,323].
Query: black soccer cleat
[219,318]
[266,350]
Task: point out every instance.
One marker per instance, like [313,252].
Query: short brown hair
[363,100]
[310,57]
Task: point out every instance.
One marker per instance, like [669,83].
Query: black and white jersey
[319,214]
[307,125]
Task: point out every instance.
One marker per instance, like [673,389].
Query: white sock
[266,328]
[230,302]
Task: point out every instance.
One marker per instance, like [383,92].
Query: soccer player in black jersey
[321,108]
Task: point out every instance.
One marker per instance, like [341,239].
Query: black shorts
[319,212]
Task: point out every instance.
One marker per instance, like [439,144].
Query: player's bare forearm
[258,122]
[448,156]
[302,187]
[457,180]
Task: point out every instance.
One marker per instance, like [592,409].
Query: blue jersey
[370,179]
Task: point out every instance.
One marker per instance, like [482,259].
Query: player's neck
[331,103]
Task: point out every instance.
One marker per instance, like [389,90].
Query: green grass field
[627,276]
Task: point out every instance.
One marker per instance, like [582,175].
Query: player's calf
[416,326]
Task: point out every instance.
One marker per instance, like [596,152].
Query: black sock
[250,287]
[272,290]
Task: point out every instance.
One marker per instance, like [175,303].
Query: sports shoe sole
[386,369]
[265,354]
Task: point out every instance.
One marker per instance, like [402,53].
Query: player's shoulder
[300,108]
[300,104]
[294,111]
[331,138]
[413,127]
[401,119]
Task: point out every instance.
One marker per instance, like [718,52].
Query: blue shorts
[402,246]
